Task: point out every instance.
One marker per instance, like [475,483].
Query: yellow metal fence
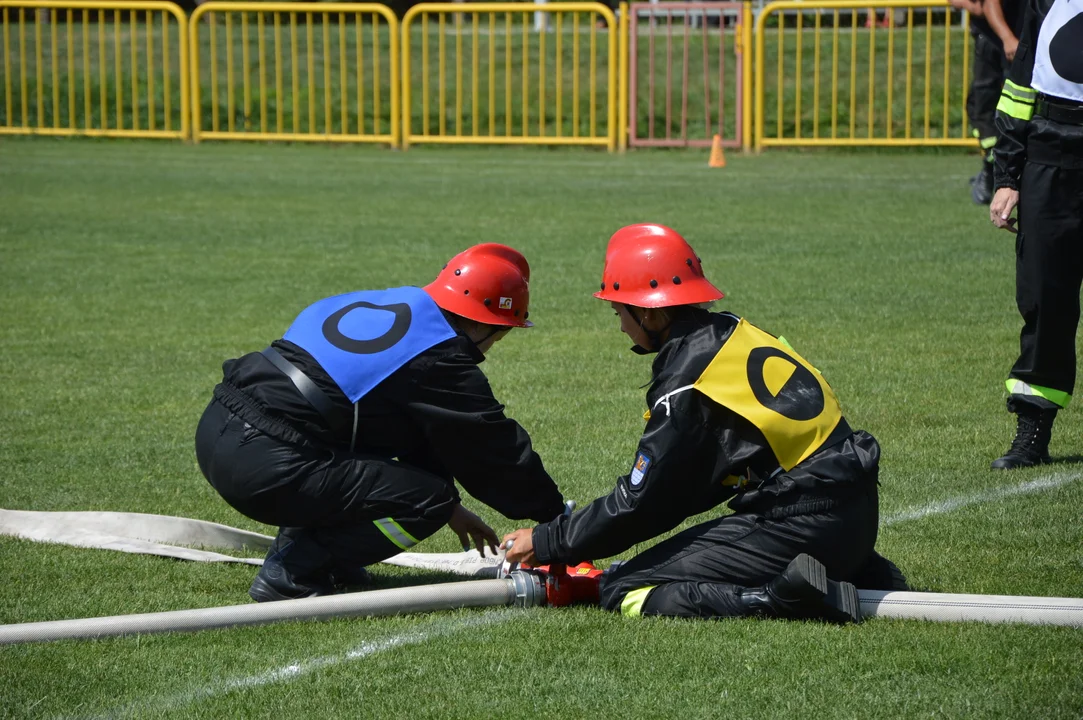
[862,72]
[295,71]
[78,67]
[510,73]
[826,72]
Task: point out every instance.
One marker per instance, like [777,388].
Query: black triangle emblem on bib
[799,398]
[1066,50]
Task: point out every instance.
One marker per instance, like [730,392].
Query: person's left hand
[1000,210]
[1010,47]
[469,526]
[522,549]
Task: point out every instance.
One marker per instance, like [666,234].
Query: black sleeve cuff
[540,538]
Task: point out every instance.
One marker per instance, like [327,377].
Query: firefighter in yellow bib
[735,414]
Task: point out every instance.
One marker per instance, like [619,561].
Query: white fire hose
[520,588]
[150,534]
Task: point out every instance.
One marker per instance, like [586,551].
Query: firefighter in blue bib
[1039,170]
[350,431]
[733,414]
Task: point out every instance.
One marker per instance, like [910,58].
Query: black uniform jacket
[702,454]
[437,413]
[1011,151]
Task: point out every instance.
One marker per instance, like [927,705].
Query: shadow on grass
[381,581]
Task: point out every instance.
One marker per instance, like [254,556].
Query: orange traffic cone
[718,158]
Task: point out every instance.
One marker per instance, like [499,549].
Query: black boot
[350,579]
[296,566]
[981,185]
[803,592]
[879,573]
[1034,426]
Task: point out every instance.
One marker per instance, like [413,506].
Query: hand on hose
[469,526]
[522,548]
[1000,209]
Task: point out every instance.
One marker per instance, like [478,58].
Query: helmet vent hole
[654,283]
[676,280]
[487,302]
[466,292]
[603,286]
[526,315]
[689,262]
[616,286]
[458,272]
[516,313]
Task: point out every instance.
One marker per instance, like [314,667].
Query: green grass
[132,270]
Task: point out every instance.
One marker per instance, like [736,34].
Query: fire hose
[525,587]
[522,588]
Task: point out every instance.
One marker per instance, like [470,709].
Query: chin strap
[498,329]
[655,336]
[477,343]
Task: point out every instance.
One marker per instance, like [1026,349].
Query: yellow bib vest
[775,389]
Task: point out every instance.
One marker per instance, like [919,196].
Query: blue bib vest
[360,338]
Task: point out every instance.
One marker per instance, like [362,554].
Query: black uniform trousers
[990,68]
[701,572]
[358,509]
[1049,255]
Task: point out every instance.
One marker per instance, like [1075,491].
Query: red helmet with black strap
[488,283]
[652,266]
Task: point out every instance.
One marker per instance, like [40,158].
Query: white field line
[940,507]
[151,706]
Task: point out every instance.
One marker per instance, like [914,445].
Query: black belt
[316,398]
[1059,110]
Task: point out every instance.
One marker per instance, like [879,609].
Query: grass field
[132,270]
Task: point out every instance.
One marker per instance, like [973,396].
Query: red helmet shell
[488,283]
[652,266]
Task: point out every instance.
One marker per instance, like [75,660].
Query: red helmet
[488,283]
[652,266]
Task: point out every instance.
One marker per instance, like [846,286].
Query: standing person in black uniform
[349,432]
[733,414]
[992,25]
[1039,169]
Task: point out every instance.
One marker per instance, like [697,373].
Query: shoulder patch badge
[639,470]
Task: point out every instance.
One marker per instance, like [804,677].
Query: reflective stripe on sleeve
[1017,101]
[395,533]
[1019,92]
[1057,397]
[632,605]
[1015,109]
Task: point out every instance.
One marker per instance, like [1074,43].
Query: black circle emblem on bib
[396,332]
[800,398]
[1065,53]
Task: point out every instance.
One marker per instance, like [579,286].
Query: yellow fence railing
[861,72]
[826,72]
[295,71]
[511,73]
[83,67]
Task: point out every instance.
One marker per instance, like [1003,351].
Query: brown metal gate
[700,44]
